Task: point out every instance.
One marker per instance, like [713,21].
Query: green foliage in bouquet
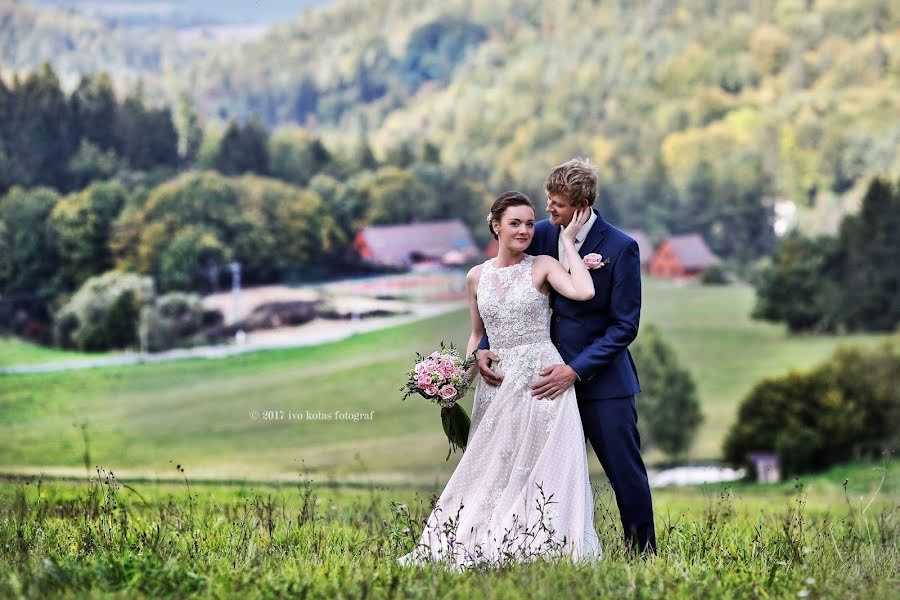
[442,377]
[456,425]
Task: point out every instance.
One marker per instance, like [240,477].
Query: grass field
[818,537]
[14,351]
[144,419]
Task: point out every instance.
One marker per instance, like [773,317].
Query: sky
[224,11]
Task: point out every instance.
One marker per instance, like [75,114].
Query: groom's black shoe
[641,540]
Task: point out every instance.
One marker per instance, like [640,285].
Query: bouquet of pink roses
[443,378]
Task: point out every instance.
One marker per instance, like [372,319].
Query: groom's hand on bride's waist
[485,358]
[555,380]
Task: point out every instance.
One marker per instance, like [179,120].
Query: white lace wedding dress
[521,489]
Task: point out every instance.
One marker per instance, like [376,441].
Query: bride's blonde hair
[504,201]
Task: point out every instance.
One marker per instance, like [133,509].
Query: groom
[593,337]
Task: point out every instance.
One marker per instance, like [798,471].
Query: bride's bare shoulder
[474,274]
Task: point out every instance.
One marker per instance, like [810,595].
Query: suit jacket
[593,336]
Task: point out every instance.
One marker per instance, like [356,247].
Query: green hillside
[197,412]
[788,99]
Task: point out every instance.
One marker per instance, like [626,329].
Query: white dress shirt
[579,239]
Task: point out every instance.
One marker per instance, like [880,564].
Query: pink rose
[429,365]
[446,371]
[448,392]
[594,261]
[424,380]
[431,390]
[435,355]
[420,368]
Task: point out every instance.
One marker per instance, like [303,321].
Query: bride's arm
[472,278]
[577,285]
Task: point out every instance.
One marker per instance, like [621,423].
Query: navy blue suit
[593,337]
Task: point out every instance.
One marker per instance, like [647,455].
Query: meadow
[142,420]
[832,535]
[14,351]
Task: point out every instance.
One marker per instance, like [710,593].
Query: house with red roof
[401,246]
[682,256]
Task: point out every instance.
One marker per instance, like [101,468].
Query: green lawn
[146,418]
[726,351]
[14,351]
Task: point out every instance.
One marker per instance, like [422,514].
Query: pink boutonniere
[596,261]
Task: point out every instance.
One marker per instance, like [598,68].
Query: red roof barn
[682,256]
[445,242]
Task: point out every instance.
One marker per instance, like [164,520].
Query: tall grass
[106,537]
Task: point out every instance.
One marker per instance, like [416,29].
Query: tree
[32,259]
[188,229]
[869,243]
[243,149]
[798,286]
[40,136]
[294,231]
[400,155]
[668,400]
[297,156]
[103,314]
[435,49]
[362,158]
[306,101]
[82,224]
[146,137]
[204,200]
[852,281]
[94,109]
[193,260]
[91,163]
[187,124]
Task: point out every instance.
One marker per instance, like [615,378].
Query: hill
[791,100]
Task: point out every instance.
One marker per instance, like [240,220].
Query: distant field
[147,418]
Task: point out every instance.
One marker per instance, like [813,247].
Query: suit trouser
[611,426]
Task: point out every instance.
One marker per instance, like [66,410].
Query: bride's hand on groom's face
[556,380]
[580,217]
[485,358]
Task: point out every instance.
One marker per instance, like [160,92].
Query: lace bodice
[513,310]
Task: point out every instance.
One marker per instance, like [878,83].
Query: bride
[521,490]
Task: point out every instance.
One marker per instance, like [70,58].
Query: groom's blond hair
[575,179]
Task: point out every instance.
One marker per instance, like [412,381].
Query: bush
[668,402]
[714,275]
[847,407]
[171,320]
[103,314]
[798,287]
